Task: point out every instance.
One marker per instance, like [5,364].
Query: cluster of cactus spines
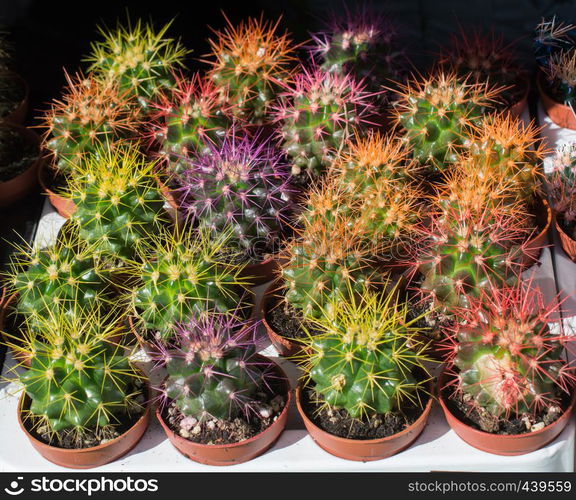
[364,355]
[552,38]
[318,115]
[362,43]
[251,63]
[512,149]
[91,116]
[57,278]
[561,185]
[242,184]
[213,368]
[506,355]
[118,202]
[188,120]
[183,273]
[328,255]
[484,57]
[138,58]
[79,378]
[437,115]
[465,251]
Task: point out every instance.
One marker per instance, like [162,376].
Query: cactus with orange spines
[251,62]
[506,357]
[318,115]
[91,116]
[188,120]
[484,57]
[438,113]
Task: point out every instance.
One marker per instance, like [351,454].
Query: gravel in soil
[463,407]
[226,431]
[285,320]
[339,422]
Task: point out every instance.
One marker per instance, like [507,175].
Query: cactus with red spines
[241,184]
[187,120]
[91,116]
[484,57]
[507,358]
[251,63]
[318,115]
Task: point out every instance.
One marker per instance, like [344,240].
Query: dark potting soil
[463,408]
[340,423]
[72,440]
[224,431]
[285,320]
[12,93]
[16,154]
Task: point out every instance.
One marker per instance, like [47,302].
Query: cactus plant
[250,65]
[183,274]
[242,184]
[437,114]
[92,116]
[79,380]
[58,278]
[318,116]
[561,184]
[362,43]
[138,58]
[364,355]
[505,354]
[484,57]
[214,372]
[118,201]
[187,120]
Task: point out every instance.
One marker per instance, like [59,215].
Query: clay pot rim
[285,380]
[557,224]
[17,76]
[420,420]
[506,437]
[549,216]
[263,309]
[145,416]
[524,80]
[541,89]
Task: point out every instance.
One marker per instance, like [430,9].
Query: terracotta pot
[18,187]
[535,245]
[559,113]
[13,339]
[498,444]
[568,244]
[234,453]
[170,195]
[64,206]
[365,450]
[285,346]
[96,456]
[18,115]
[264,271]
[517,109]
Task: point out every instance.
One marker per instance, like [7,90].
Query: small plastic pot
[285,346]
[24,183]
[499,444]
[233,453]
[568,244]
[64,206]
[540,240]
[559,113]
[18,114]
[87,458]
[517,109]
[365,450]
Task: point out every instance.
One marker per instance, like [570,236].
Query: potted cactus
[84,403]
[561,186]
[485,58]
[250,65]
[365,394]
[139,59]
[508,386]
[179,275]
[318,115]
[221,403]
[91,116]
[13,88]
[554,47]
[20,159]
[240,184]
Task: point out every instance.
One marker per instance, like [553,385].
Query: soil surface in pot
[16,154]
[569,229]
[463,408]
[285,320]
[91,437]
[12,93]
[340,423]
[227,431]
